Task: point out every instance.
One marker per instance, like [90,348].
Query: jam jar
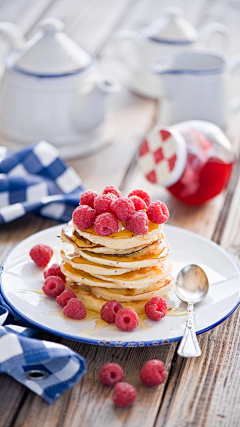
[192,159]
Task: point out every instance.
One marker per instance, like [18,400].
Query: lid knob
[51,25]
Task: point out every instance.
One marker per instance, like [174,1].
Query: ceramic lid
[50,52]
[163,155]
[172,27]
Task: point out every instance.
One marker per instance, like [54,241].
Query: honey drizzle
[176,312]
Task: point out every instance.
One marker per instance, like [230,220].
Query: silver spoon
[191,286]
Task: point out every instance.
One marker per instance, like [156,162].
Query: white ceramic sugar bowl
[51,89]
[170,34]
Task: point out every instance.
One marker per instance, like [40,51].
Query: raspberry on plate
[158,212]
[156,308]
[53,286]
[138,203]
[111,374]
[106,224]
[123,208]
[84,217]
[54,270]
[153,373]
[102,203]
[113,190]
[41,255]
[138,223]
[109,310]
[124,394]
[126,319]
[75,309]
[65,296]
[142,194]
[87,198]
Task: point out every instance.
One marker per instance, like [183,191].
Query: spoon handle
[189,346]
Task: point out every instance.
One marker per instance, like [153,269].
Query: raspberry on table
[126,319]
[106,224]
[109,310]
[84,217]
[41,255]
[153,373]
[142,194]
[124,394]
[138,223]
[112,189]
[156,308]
[87,198]
[123,208]
[65,296]
[75,309]
[158,212]
[102,203]
[138,203]
[54,270]
[111,374]
[53,286]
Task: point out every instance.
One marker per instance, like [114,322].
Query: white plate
[20,278]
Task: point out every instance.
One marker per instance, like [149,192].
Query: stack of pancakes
[124,266]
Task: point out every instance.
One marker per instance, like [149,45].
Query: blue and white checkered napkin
[37,180]
[44,367]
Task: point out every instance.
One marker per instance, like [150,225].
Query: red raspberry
[109,310]
[126,319]
[87,198]
[106,224]
[53,286]
[113,190]
[156,308]
[102,203]
[138,203]
[158,212]
[54,270]
[138,223]
[41,255]
[153,373]
[123,208]
[111,373]
[75,309]
[84,217]
[124,394]
[65,296]
[142,194]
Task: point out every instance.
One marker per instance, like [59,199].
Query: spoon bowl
[192,284]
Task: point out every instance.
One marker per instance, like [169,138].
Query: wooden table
[198,392]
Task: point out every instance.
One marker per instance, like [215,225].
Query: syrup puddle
[176,312]
[35,291]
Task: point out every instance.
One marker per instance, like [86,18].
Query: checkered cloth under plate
[37,180]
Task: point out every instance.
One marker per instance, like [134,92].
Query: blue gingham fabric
[44,367]
[37,180]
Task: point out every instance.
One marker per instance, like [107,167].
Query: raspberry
[75,309]
[54,270]
[142,194]
[102,203]
[138,223]
[126,319]
[123,208]
[156,308]
[65,296]
[53,286]
[111,373]
[41,255]
[106,224]
[157,212]
[84,217]
[138,203]
[124,394]
[153,373]
[113,190]
[87,198]
[109,310]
